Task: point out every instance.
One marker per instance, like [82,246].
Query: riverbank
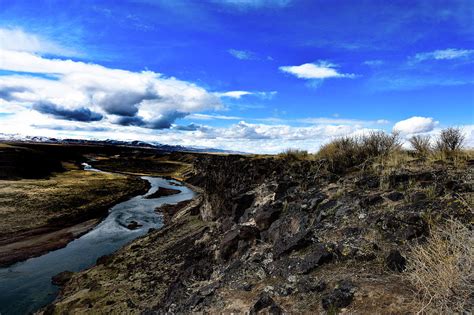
[27,286]
[40,215]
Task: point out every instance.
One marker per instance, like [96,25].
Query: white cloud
[146,98]
[18,40]
[239,94]
[321,70]
[415,125]
[242,54]
[444,54]
[234,94]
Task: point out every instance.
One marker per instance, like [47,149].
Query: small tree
[450,140]
[421,145]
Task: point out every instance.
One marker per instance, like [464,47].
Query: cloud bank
[73,90]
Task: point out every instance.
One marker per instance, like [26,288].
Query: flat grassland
[39,215]
[31,203]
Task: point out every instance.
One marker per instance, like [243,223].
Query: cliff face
[283,236]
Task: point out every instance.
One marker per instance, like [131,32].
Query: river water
[26,286]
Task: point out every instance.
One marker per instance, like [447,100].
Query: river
[26,286]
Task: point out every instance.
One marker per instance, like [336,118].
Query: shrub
[341,153]
[450,140]
[294,154]
[442,270]
[421,145]
[378,143]
[347,152]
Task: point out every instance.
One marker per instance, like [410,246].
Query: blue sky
[249,75]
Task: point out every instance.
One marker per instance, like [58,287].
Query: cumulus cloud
[79,114]
[321,70]
[415,125]
[147,99]
[18,40]
[242,54]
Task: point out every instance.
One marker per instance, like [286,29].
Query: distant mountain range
[135,143]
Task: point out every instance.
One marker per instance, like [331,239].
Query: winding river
[26,286]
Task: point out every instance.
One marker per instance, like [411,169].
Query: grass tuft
[442,270]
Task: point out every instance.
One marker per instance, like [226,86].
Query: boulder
[267,304]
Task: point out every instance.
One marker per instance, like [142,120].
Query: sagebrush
[442,270]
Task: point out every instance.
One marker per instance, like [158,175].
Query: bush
[341,153]
[442,270]
[450,140]
[378,143]
[294,154]
[347,152]
[421,145]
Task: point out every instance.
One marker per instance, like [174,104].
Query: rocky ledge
[280,236]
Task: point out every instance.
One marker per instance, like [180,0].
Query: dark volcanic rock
[370,181]
[266,216]
[371,200]
[241,203]
[395,196]
[306,285]
[395,261]
[133,225]
[283,188]
[294,242]
[266,303]
[315,256]
[62,278]
[341,296]
[418,196]
[237,240]
[169,210]
[163,192]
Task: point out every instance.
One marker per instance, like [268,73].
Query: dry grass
[442,270]
[294,154]
[347,152]
[31,203]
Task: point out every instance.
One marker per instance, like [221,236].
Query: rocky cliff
[280,235]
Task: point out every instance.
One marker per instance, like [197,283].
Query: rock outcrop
[278,236]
